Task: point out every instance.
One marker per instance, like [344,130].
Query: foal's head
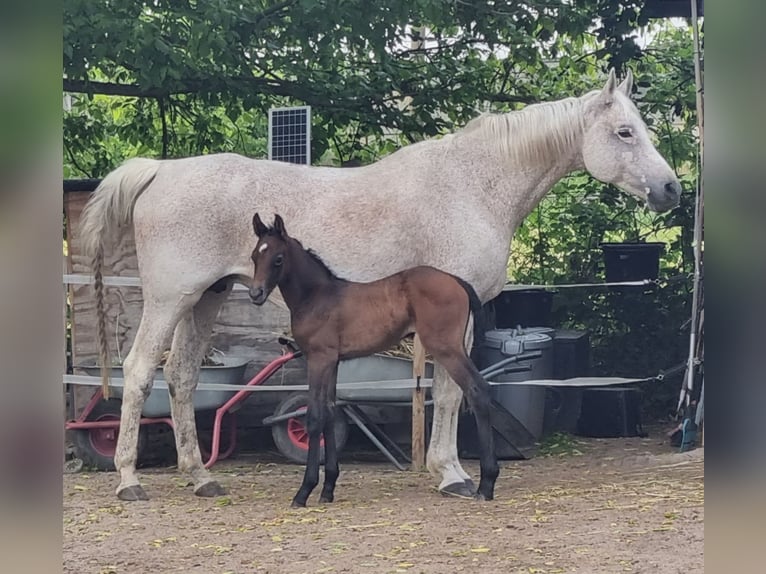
[270,258]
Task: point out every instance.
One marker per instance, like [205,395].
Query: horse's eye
[278,260]
[625,133]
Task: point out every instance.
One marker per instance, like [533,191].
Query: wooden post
[418,408]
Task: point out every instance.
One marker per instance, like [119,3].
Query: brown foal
[334,319]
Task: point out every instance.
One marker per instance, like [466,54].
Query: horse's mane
[313,254]
[538,133]
[310,252]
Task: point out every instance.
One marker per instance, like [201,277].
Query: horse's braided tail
[103,345]
[109,209]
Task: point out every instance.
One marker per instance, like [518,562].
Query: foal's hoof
[132,493]
[210,490]
[326,498]
[480,496]
[296,504]
[458,490]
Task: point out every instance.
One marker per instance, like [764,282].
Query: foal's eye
[278,260]
[625,133]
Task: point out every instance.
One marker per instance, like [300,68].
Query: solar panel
[290,134]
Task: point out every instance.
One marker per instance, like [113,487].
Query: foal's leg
[331,467]
[477,393]
[154,332]
[182,374]
[320,372]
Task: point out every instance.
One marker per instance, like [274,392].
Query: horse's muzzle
[258,295]
[665,200]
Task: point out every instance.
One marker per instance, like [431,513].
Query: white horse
[452,203]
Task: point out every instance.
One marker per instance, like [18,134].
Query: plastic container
[525,402]
[522,307]
[631,261]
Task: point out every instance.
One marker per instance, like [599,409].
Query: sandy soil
[603,506]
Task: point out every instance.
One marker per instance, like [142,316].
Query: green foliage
[357,63]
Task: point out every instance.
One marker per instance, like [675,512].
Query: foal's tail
[479,321]
[109,209]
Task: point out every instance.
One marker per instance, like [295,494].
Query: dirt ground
[600,506]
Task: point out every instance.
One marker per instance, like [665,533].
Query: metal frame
[308,128]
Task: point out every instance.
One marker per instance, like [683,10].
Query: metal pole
[698,213]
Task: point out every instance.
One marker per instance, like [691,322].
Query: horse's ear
[607,93]
[258,226]
[279,225]
[626,87]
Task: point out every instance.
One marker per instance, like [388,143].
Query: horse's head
[617,148]
[269,257]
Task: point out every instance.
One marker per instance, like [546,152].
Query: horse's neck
[511,187]
[307,278]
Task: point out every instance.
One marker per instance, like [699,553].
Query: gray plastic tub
[393,373]
[525,402]
[157,404]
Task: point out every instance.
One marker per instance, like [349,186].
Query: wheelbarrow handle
[285,342]
[502,366]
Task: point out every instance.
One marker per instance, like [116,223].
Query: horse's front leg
[476,391]
[320,370]
[442,458]
[331,467]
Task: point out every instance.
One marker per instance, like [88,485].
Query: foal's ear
[279,225]
[258,226]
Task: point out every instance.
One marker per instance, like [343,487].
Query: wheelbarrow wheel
[290,436]
[96,447]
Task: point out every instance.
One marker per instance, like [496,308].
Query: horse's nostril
[256,293]
[672,188]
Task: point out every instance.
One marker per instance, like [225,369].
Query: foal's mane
[537,133]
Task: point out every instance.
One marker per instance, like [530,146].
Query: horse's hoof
[326,499]
[210,490]
[483,496]
[458,490]
[296,504]
[132,493]
[470,485]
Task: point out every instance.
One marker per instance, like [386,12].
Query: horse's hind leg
[182,375]
[154,332]
[476,391]
[460,369]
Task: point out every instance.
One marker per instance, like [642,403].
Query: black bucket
[632,261]
[523,307]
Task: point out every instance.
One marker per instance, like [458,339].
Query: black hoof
[296,504]
[480,496]
[326,499]
[458,490]
[210,490]
[132,493]
[470,485]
